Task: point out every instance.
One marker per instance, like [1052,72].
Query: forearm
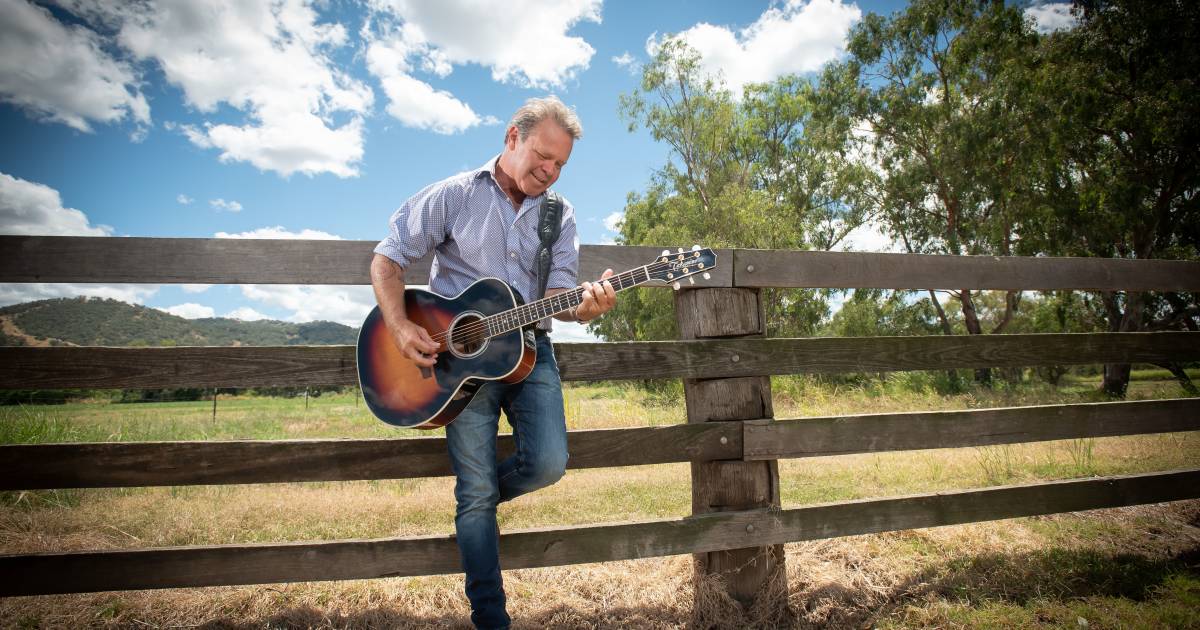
[387,279]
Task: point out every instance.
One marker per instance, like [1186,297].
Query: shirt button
[512,254]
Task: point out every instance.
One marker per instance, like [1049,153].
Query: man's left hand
[598,298]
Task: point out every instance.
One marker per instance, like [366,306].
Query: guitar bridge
[426,372]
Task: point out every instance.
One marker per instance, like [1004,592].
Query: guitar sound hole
[468,335]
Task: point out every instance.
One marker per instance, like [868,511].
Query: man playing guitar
[478,224]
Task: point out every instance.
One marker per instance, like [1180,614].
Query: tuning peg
[680,251]
[707,276]
[691,280]
[676,285]
[695,248]
[666,252]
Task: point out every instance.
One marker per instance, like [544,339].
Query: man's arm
[387,278]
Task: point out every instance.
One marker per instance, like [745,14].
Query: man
[484,223]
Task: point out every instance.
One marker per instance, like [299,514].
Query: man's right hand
[415,343]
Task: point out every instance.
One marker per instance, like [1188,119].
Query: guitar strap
[549,226]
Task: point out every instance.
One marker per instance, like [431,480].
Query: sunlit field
[1129,567]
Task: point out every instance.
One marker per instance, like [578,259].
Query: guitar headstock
[670,268]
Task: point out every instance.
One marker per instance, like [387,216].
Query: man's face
[538,160]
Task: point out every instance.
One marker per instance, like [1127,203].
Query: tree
[941,94]
[1125,90]
[744,172]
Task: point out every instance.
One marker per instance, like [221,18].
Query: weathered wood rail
[732,439]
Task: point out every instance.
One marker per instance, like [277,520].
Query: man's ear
[511,137]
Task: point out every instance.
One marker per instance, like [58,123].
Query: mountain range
[89,321]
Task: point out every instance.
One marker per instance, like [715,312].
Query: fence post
[732,485]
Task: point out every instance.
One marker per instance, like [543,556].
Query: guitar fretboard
[526,314]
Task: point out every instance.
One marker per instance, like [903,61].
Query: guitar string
[476,332]
[473,331]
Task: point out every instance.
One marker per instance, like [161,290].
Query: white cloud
[347,305]
[228,206]
[270,61]
[246,314]
[795,38]
[414,102]
[612,222]
[131,293]
[572,332]
[408,36]
[190,310]
[624,60]
[453,32]
[195,288]
[62,73]
[279,231]
[31,208]
[1050,16]
[184,199]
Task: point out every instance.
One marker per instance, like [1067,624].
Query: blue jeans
[535,409]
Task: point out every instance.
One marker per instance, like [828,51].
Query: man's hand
[415,343]
[598,298]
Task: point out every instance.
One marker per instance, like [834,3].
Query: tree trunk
[1116,375]
[983,375]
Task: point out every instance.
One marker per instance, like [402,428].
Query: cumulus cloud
[195,288]
[279,231]
[347,305]
[184,199]
[190,310]
[245,314]
[612,222]
[407,36]
[228,206]
[794,38]
[270,61]
[1051,16]
[131,293]
[62,73]
[31,208]
[624,60]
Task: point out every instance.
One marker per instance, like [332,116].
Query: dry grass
[1131,567]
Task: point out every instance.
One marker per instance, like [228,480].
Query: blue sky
[295,119]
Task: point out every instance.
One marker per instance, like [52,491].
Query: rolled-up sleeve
[565,268]
[416,227]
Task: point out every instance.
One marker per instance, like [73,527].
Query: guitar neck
[526,314]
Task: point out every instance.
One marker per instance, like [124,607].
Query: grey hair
[535,110]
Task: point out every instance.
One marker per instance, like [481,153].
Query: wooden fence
[731,439]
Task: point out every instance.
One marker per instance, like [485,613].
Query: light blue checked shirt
[470,225]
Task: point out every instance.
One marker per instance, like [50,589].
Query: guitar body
[404,394]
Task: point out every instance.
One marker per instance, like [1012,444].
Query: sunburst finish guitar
[483,334]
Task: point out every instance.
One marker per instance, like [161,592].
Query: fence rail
[269,261]
[131,368]
[133,464]
[77,572]
[731,441]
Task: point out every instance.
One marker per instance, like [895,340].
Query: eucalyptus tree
[744,171]
[1123,84]
[949,128]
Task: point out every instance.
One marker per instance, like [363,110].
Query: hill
[105,322]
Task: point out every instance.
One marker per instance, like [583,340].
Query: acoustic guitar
[483,334]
